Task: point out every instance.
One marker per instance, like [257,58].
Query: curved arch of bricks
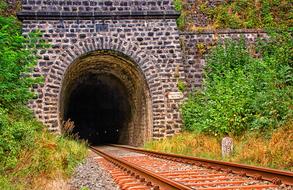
[54,79]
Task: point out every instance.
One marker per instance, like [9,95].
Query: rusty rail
[160,181]
[276,176]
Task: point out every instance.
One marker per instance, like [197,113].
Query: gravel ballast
[91,176]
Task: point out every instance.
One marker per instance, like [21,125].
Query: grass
[46,166]
[272,150]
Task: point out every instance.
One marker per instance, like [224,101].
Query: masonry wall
[142,30]
[196,45]
[96,5]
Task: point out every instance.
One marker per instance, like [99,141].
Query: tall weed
[252,148]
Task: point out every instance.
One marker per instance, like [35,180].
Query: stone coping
[98,15]
[224,31]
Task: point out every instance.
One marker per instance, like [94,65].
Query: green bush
[178,5]
[14,136]
[27,151]
[181,21]
[17,127]
[16,60]
[241,92]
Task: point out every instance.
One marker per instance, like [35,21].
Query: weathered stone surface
[199,19]
[147,36]
[195,46]
[105,6]
[227,146]
[151,44]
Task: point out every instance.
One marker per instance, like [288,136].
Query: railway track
[134,168]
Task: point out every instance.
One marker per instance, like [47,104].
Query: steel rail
[273,175]
[161,182]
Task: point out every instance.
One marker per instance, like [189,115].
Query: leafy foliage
[14,135]
[178,5]
[27,151]
[16,60]
[241,92]
[181,21]
[181,86]
[238,14]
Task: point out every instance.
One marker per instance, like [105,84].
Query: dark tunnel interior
[99,106]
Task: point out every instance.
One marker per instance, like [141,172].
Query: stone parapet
[114,15]
[95,5]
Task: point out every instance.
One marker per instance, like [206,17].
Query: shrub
[241,92]
[16,60]
[43,159]
[14,135]
[28,153]
[17,126]
[181,21]
[178,5]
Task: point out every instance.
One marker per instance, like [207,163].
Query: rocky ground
[90,176]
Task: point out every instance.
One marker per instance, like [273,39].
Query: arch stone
[145,33]
[57,72]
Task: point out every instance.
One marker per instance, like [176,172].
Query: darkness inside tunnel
[99,107]
[106,94]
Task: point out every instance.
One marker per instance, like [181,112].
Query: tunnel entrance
[106,97]
[99,107]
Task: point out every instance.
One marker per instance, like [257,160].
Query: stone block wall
[195,46]
[96,5]
[145,31]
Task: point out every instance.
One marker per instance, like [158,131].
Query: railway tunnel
[106,97]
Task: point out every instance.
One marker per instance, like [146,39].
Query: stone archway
[110,59]
[107,97]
